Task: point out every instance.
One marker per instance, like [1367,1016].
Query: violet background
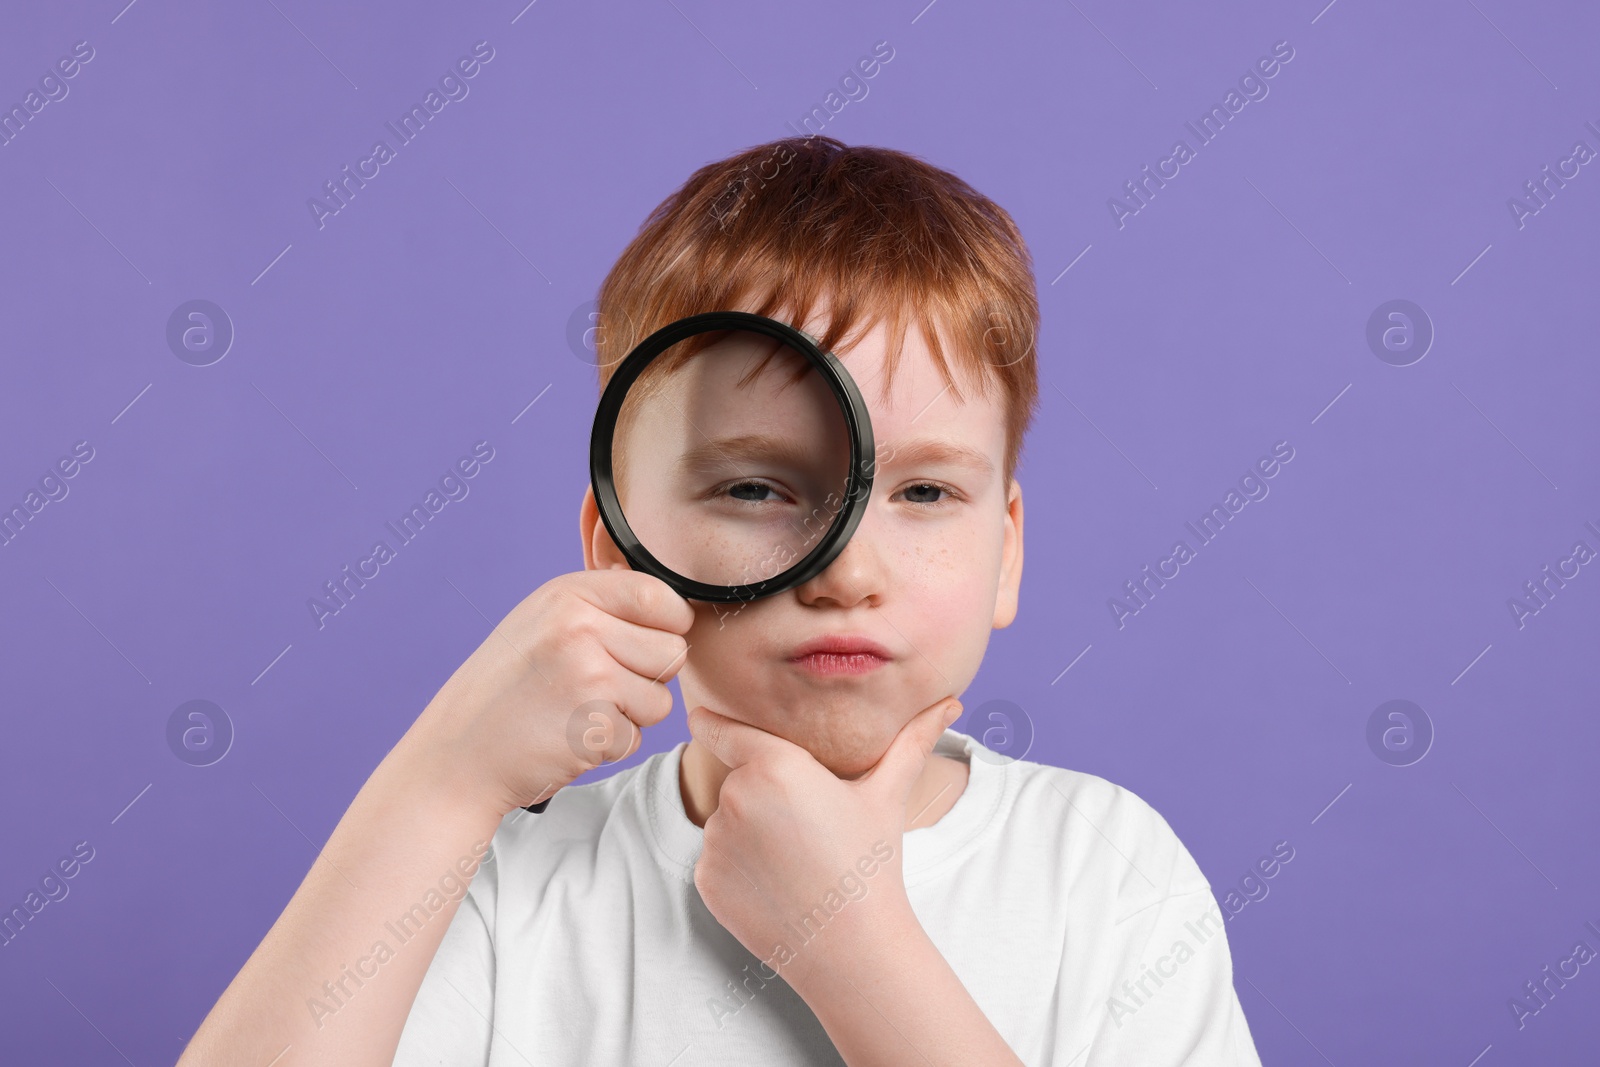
[1226,316]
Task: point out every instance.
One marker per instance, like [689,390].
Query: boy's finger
[733,742]
[655,655]
[637,597]
[910,750]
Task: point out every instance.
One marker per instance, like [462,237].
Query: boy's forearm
[315,991]
[887,996]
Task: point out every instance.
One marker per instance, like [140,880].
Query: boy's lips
[840,654]
[843,645]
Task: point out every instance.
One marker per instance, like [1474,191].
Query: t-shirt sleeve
[1166,973]
[453,1015]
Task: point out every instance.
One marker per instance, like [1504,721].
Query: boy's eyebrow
[931,451]
[712,453]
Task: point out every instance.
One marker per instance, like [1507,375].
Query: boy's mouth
[837,654]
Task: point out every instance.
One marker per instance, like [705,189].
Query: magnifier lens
[731,457]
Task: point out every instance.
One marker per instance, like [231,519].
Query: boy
[825,873]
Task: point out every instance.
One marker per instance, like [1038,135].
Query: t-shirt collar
[929,850]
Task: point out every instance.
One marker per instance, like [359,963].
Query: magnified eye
[752,491]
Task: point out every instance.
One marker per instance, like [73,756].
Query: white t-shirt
[1066,905]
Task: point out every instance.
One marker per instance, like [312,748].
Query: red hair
[877,234]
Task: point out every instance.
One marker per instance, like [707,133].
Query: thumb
[909,751]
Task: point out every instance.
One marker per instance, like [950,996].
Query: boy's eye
[925,492]
[749,492]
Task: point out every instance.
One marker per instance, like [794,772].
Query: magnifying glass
[731,457]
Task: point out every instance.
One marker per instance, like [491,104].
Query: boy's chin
[848,745]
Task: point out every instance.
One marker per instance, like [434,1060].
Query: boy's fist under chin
[564,683]
[790,842]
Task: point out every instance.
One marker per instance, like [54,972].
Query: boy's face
[933,566]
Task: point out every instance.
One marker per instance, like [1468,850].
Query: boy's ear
[600,552]
[1005,601]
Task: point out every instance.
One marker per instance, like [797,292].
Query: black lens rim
[858,483]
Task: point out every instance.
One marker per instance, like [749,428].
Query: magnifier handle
[539,807]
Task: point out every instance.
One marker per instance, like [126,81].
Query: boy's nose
[858,574]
